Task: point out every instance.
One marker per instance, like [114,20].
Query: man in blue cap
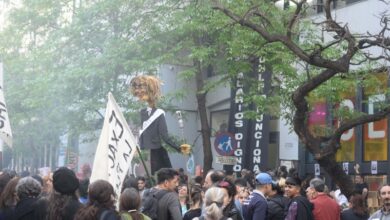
[255,208]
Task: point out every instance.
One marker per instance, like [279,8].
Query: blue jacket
[255,208]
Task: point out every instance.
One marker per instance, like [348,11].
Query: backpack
[150,202]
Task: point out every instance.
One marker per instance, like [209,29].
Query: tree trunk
[204,123]
[337,174]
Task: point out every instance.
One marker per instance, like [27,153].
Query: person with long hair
[357,209]
[129,205]
[8,199]
[63,202]
[101,203]
[230,208]
[213,204]
[183,198]
[196,198]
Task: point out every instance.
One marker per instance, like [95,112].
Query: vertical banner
[115,149]
[5,127]
[250,135]
[259,128]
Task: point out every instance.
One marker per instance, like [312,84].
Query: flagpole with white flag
[5,127]
[115,149]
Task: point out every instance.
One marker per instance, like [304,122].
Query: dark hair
[229,186]
[141,178]
[130,200]
[241,182]
[358,206]
[58,205]
[100,197]
[276,187]
[166,174]
[8,196]
[196,195]
[5,177]
[198,180]
[129,182]
[216,176]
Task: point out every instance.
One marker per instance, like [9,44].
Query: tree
[325,62]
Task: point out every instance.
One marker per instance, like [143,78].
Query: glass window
[348,139]
[219,121]
[375,133]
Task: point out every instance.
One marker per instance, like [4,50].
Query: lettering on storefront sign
[239,122]
[371,132]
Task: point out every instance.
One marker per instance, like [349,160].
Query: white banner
[115,149]
[5,127]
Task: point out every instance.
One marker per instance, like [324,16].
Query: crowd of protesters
[278,195]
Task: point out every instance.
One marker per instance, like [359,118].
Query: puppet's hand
[185,149]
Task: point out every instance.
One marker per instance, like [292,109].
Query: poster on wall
[317,169]
[346,167]
[374,167]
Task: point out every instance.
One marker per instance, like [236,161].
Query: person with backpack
[277,202]
[129,204]
[299,208]
[162,201]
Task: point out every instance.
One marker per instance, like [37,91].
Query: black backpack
[150,202]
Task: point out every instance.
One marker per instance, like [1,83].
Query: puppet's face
[139,89]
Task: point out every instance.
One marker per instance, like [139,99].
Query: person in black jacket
[357,210]
[27,190]
[230,210]
[299,208]
[63,202]
[154,128]
[277,203]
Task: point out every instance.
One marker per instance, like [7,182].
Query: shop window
[348,140]
[375,133]
[219,121]
[374,182]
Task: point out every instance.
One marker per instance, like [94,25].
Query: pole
[151,182]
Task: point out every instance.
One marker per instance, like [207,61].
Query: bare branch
[358,121]
[294,18]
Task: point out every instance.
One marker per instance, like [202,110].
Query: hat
[295,181]
[263,178]
[65,181]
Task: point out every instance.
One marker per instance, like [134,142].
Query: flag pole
[151,182]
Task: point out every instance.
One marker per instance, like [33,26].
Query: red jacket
[325,208]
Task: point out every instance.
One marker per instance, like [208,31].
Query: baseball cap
[263,178]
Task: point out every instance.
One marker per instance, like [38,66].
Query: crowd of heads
[61,193]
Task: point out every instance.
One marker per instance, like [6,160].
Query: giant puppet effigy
[153,125]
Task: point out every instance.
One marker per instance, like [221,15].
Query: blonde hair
[151,85]
[213,201]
